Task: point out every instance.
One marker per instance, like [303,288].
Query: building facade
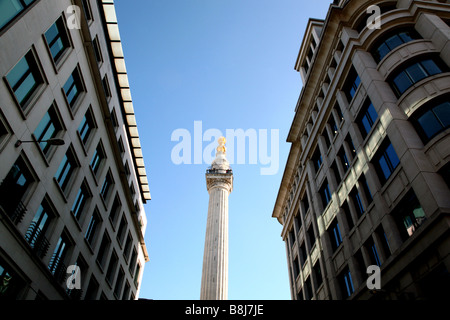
[367,178]
[72,181]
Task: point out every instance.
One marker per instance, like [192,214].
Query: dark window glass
[112,268]
[107,186]
[354,194]
[47,129]
[97,159]
[373,252]
[303,255]
[346,283]
[57,39]
[325,194]
[119,282]
[80,201]
[13,189]
[57,265]
[9,9]
[351,85]
[65,170]
[433,121]
[25,78]
[393,41]
[92,227]
[318,274]
[413,74]
[409,215]
[296,268]
[386,161]
[334,233]
[11,285]
[317,159]
[35,234]
[344,159]
[103,250]
[73,87]
[366,118]
[86,127]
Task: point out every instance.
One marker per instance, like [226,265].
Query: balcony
[58,268]
[38,242]
[14,210]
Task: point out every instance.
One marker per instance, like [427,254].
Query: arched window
[432,119]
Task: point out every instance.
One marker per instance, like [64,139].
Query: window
[409,215]
[318,273]
[127,249]
[333,126]
[311,237]
[12,286]
[103,250]
[66,170]
[35,234]
[122,229]
[366,118]
[432,120]
[335,234]
[25,78]
[86,127]
[57,39]
[317,159]
[92,289]
[13,189]
[348,215]
[81,200]
[365,188]
[119,282]
[350,144]
[9,9]
[133,261]
[336,172]
[346,283]
[115,208]
[97,50]
[106,88]
[87,9]
[392,41]
[137,273]
[107,186]
[308,289]
[373,252]
[48,128]
[303,254]
[305,202]
[295,268]
[98,159]
[412,74]
[344,159]
[73,88]
[93,227]
[112,268]
[325,194]
[56,265]
[384,241]
[126,291]
[298,221]
[357,202]
[386,160]
[351,84]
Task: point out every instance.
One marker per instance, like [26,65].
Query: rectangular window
[98,158]
[112,268]
[97,50]
[122,229]
[9,9]
[106,88]
[414,73]
[35,234]
[15,287]
[333,126]
[365,187]
[103,250]
[86,127]
[66,170]
[137,274]
[94,223]
[57,263]
[25,78]
[107,186]
[334,232]
[348,215]
[127,248]
[296,268]
[357,202]
[48,128]
[119,283]
[13,189]
[311,237]
[303,254]
[325,194]
[57,39]
[409,215]
[366,118]
[92,289]
[373,252]
[344,159]
[317,159]
[386,161]
[318,273]
[346,283]
[115,209]
[73,88]
[351,85]
[81,200]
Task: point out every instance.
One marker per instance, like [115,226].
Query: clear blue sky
[229,64]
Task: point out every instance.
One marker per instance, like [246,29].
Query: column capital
[218,180]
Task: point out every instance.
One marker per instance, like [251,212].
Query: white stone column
[219,180]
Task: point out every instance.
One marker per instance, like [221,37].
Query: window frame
[429,108]
[381,153]
[66,40]
[78,83]
[23,10]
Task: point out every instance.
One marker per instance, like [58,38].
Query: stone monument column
[219,182]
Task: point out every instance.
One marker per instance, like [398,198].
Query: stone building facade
[72,178]
[367,180]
